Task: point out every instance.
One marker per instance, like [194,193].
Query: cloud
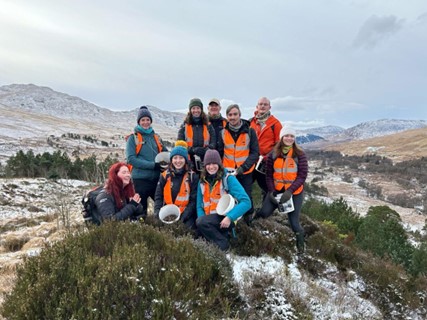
[377,29]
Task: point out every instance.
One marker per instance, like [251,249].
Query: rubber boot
[299,236]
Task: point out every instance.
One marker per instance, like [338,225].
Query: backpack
[89,211]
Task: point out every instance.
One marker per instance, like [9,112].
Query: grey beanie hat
[212,156]
[144,112]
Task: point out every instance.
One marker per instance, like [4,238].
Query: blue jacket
[236,190]
[143,163]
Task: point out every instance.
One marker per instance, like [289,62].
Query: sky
[330,62]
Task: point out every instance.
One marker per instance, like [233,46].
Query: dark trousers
[268,208]
[260,179]
[145,188]
[246,181]
[209,228]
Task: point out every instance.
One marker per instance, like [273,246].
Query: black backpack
[89,211]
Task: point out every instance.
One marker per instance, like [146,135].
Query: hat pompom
[181,143]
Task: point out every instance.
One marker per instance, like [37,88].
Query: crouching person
[118,200]
[214,184]
[286,171]
[178,185]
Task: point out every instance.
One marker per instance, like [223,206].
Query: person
[197,132]
[215,118]
[267,128]
[178,185]
[286,171]
[213,184]
[238,146]
[118,200]
[145,171]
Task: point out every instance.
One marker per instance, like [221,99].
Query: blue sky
[332,62]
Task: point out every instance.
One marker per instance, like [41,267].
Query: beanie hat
[195,102]
[287,130]
[144,112]
[212,156]
[180,149]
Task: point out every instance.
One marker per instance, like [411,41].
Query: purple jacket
[301,175]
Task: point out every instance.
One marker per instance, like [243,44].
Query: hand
[156,166]
[163,167]
[239,171]
[191,151]
[200,151]
[135,200]
[225,223]
[272,197]
[285,196]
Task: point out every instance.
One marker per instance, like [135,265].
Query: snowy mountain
[45,101]
[324,132]
[307,138]
[379,128]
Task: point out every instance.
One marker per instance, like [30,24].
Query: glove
[239,171]
[191,151]
[163,167]
[285,196]
[157,166]
[134,203]
[272,196]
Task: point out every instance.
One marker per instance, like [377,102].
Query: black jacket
[190,210]
[197,147]
[107,208]
[253,143]
[218,125]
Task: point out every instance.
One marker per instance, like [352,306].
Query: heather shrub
[125,271]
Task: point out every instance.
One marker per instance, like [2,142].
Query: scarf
[235,128]
[262,118]
[286,149]
[144,131]
[215,117]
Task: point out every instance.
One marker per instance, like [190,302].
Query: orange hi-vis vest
[236,153]
[285,172]
[211,196]
[183,197]
[189,135]
[139,141]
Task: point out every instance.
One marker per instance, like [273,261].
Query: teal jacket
[236,190]
[143,162]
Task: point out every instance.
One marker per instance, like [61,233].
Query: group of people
[213,156]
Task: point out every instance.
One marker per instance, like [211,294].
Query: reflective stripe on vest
[285,172]
[189,135]
[182,198]
[211,197]
[236,153]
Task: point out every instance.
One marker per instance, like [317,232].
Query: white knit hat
[287,130]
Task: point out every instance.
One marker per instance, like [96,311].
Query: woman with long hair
[214,184]
[286,171]
[197,132]
[178,185]
[118,200]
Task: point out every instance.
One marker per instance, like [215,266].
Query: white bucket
[225,204]
[162,157]
[169,213]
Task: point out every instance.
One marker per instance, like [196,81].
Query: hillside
[410,144]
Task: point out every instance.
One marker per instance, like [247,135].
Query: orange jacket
[269,135]
[236,153]
[211,197]
[189,135]
[285,172]
[183,196]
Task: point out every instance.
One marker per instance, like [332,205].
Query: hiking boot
[299,236]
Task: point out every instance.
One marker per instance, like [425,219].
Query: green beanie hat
[195,102]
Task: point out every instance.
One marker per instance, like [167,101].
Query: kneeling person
[214,184]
